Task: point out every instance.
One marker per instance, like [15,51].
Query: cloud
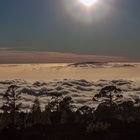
[12,56]
[69,87]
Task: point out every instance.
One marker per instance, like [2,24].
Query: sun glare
[89,11]
[88,3]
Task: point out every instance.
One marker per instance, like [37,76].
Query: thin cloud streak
[13,56]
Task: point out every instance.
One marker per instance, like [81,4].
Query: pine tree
[66,104]
[36,111]
[11,99]
[11,105]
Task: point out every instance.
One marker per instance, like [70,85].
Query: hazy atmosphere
[109,28]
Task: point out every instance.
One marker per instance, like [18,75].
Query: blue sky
[47,25]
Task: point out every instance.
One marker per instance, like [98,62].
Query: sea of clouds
[82,91]
[105,65]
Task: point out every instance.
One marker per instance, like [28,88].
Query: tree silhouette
[12,97]
[110,92]
[36,111]
[85,110]
[11,105]
[36,106]
[66,104]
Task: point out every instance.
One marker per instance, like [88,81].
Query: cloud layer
[82,91]
[14,56]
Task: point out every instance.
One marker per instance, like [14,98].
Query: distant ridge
[89,63]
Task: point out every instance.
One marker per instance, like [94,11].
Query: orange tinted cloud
[12,56]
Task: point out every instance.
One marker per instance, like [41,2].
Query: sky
[30,28]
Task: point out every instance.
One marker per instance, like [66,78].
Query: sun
[88,3]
